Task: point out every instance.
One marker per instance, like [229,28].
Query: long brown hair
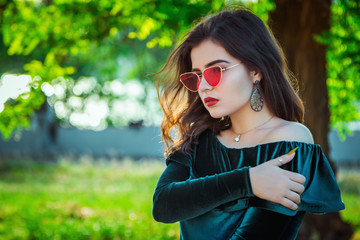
[244,36]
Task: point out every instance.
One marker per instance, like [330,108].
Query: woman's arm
[178,198]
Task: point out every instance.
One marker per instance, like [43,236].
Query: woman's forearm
[178,198]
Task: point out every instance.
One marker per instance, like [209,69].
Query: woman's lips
[209,101]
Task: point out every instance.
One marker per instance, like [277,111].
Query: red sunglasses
[212,75]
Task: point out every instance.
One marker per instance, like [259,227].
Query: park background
[73,68]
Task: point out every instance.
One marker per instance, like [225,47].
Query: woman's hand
[274,184]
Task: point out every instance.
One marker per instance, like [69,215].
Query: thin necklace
[237,139]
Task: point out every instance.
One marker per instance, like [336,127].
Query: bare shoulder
[291,131]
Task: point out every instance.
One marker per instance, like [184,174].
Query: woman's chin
[214,114]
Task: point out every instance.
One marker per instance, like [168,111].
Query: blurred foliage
[75,38]
[68,40]
[343,64]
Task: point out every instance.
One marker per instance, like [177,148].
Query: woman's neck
[247,119]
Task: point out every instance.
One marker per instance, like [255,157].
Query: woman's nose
[204,85]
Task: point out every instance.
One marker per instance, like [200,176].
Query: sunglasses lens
[190,81]
[213,75]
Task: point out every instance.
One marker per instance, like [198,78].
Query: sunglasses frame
[202,73]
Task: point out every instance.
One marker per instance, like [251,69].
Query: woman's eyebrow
[211,63]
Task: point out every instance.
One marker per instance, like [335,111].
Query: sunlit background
[80,145]
[134,101]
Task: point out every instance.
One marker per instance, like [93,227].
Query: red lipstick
[209,101]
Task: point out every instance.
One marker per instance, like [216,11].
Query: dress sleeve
[321,194]
[263,224]
[178,198]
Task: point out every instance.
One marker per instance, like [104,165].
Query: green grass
[106,200]
[101,200]
[349,182]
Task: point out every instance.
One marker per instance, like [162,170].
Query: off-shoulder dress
[209,191]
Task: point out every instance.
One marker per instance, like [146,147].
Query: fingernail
[292,151]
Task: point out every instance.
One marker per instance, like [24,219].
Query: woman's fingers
[275,184]
[289,204]
[296,177]
[296,187]
[282,159]
[293,196]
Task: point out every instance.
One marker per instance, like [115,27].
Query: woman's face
[234,90]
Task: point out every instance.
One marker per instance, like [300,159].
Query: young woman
[228,94]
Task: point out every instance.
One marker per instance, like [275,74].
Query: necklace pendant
[237,139]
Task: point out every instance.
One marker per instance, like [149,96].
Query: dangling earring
[257,100]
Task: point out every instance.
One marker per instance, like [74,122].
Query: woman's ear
[256,75]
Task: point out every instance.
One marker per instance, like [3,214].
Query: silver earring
[257,100]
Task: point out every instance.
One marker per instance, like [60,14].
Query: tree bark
[295,23]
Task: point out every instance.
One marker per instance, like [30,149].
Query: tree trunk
[295,23]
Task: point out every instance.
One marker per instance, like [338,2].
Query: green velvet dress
[209,191]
